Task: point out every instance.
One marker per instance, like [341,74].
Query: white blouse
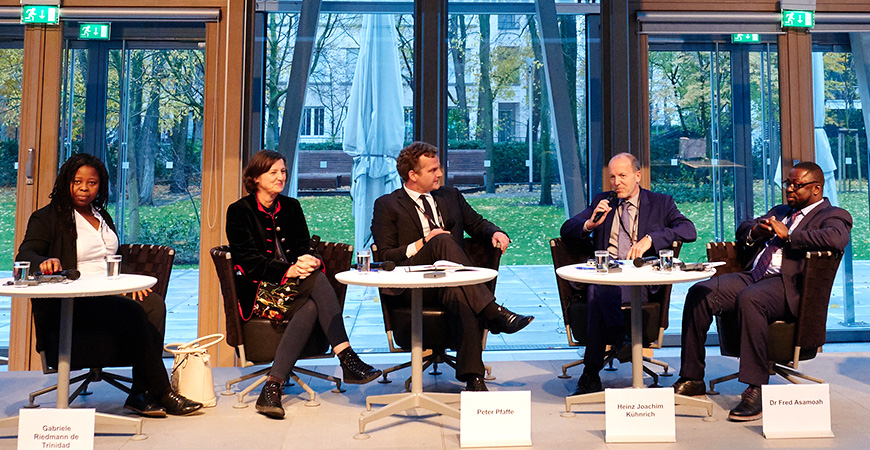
[94,244]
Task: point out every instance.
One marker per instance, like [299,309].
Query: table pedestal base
[433,401]
[598,397]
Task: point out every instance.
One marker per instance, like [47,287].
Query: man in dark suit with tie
[768,289]
[423,222]
[638,224]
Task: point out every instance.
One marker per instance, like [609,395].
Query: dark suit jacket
[395,222]
[826,227]
[44,239]
[249,232]
[658,217]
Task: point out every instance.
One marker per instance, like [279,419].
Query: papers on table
[441,266]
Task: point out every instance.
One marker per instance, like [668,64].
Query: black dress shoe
[177,404]
[508,322]
[269,402]
[354,370]
[749,407]
[144,404]
[588,384]
[476,384]
[690,388]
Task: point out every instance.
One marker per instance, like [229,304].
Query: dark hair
[60,196]
[259,164]
[409,157]
[813,170]
[631,158]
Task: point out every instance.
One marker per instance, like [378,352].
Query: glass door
[138,105]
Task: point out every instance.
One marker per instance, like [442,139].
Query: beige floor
[334,423]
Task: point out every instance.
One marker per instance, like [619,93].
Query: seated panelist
[423,222]
[74,231]
[269,241]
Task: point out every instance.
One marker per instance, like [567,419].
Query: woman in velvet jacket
[74,231]
[269,241]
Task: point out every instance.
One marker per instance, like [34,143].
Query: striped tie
[773,245]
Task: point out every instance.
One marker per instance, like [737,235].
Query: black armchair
[142,259]
[575,311]
[436,321]
[788,342]
[257,339]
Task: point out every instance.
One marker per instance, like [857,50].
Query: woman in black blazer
[74,231]
[269,241]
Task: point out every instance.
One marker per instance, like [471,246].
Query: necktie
[773,245]
[427,211]
[624,238]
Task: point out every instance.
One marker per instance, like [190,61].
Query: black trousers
[605,321]
[109,327]
[465,303]
[320,307]
[757,305]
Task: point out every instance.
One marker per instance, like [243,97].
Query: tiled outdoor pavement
[523,289]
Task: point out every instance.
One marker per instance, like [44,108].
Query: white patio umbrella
[375,127]
[824,158]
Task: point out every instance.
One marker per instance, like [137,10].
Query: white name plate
[796,411]
[639,415]
[56,428]
[495,419]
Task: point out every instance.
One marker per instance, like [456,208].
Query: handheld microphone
[645,261]
[610,198]
[57,277]
[385,266]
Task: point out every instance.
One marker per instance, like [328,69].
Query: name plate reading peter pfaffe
[495,419]
[639,415]
[796,411]
[44,429]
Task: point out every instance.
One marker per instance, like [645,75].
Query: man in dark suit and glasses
[639,223]
[423,222]
[768,289]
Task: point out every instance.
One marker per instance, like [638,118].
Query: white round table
[86,286]
[636,277]
[416,281]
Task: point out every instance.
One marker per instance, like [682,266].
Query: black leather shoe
[508,322]
[476,384]
[588,384]
[690,388]
[354,370]
[749,407]
[177,404]
[269,401]
[144,404]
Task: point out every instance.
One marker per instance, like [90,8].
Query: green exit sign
[798,19]
[100,31]
[745,38]
[40,14]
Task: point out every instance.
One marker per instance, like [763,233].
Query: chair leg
[229,390]
[568,366]
[608,361]
[654,376]
[241,403]
[713,383]
[338,389]
[663,364]
[790,374]
[312,396]
[35,394]
[386,372]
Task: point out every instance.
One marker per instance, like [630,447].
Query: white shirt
[94,244]
[411,250]
[775,266]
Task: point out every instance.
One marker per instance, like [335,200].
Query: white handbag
[191,370]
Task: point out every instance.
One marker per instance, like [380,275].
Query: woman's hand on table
[50,266]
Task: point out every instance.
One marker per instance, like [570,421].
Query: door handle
[28,167]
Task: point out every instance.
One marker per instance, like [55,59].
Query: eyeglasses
[795,186]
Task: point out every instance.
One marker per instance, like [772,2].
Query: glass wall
[11,64]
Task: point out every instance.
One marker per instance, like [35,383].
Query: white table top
[86,286]
[630,275]
[399,278]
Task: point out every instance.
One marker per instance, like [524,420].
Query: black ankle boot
[269,402]
[354,370]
